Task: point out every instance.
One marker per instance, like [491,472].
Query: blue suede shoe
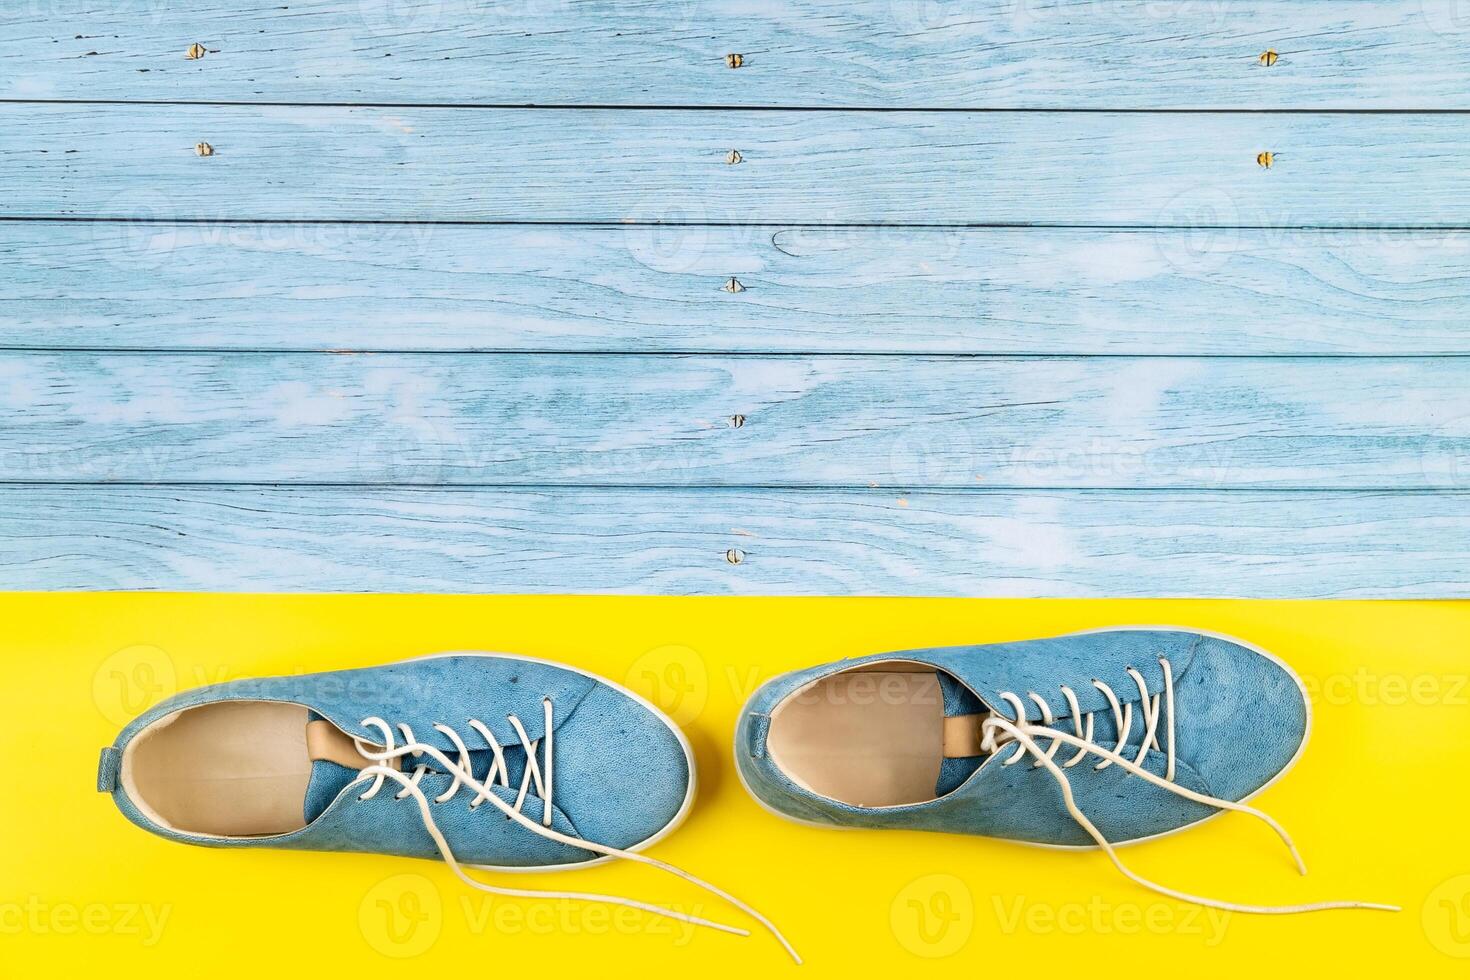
[1093,739]
[280,762]
[401,759]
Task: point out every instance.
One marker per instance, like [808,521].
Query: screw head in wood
[1266,158]
[204,149]
[1269,57]
[733,285]
[734,157]
[734,556]
[734,60]
[195,52]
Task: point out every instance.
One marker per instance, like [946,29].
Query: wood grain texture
[1185,170]
[161,284]
[553,393]
[1237,544]
[660,420]
[891,53]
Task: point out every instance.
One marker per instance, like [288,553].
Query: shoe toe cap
[1242,716]
[623,773]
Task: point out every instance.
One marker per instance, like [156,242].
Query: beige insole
[229,769]
[866,738]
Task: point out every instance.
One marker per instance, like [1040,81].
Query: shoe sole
[1291,764]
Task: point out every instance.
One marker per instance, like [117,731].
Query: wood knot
[204,149]
[734,157]
[737,421]
[733,286]
[1266,158]
[734,556]
[734,60]
[1268,57]
[196,51]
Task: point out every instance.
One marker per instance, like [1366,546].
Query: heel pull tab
[760,726]
[108,767]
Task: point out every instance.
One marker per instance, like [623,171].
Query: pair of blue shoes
[1093,739]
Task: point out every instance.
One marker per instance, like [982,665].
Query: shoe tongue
[334,763]
[959,701]
[327,782]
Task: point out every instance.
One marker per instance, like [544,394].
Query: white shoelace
[999,733]
[539,773]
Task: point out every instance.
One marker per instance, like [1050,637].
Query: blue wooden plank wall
[1004,54]
[1028,297]
[562,166]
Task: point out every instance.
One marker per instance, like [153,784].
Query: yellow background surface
[1377,804]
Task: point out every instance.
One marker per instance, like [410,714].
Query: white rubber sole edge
[1306,736]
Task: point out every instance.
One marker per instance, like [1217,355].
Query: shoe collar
[420,693]
[1078,661]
